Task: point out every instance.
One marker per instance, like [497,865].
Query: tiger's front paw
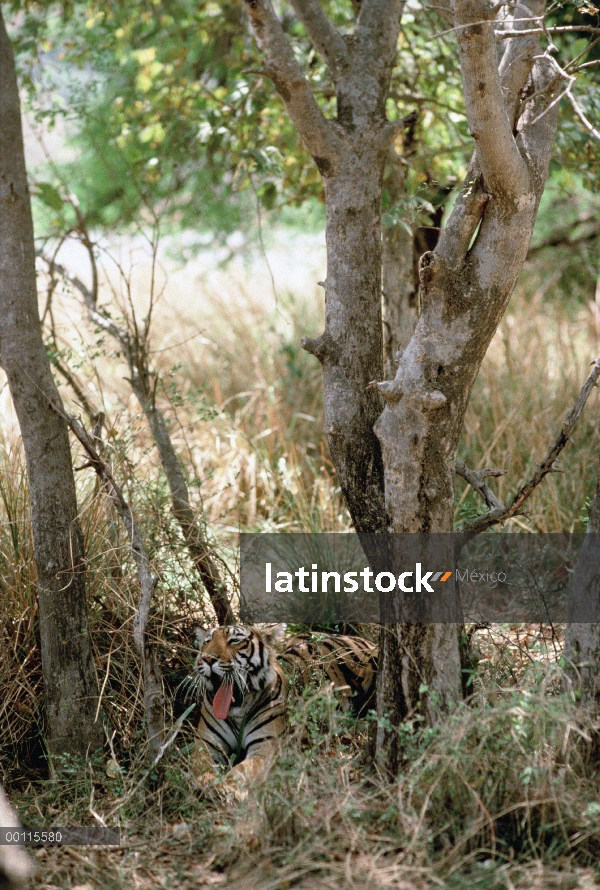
[203,769]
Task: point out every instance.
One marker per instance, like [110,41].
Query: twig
[134,345]
[501,514]
[475,479]
[153,694]
[161,751]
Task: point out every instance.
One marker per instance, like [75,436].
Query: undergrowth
[497,794]
[503,794]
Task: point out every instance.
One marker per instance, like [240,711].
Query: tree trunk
[350,153]
[465,286]
[399,297]
[350,348]
[582,641]
[399,290]
[70,687]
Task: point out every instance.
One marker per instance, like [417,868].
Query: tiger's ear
[274,634]
[200,635]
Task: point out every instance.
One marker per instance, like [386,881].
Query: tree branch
[136,356]
[501,514]
[475,479]
[377,30]
[316,132]
[518,57]
[457,234]
[559,29]
[153,695]
[325,38]
[504,169]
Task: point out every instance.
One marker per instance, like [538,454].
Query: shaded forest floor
[504,794]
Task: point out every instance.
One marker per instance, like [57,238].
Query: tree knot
[323,347]
[390,389]
[427,267]
[433,400]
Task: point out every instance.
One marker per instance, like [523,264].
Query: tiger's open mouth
[229,694]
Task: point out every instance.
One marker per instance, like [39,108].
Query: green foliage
[172,116]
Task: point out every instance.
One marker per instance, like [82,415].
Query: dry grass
[502,796]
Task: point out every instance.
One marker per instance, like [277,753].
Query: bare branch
[504,170]
[325,38]
[135,351]
[444,9]
[317,133]
[518,58]
[65,372]
[475,479]
[96,315]
[153,695]
[501,514]
[458,232]
[559,29]
[581,115]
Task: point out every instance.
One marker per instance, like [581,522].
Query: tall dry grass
[245,408]
[506,779]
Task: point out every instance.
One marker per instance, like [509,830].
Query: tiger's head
[234,664]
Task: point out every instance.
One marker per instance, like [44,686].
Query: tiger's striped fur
[349,663]
[239,677]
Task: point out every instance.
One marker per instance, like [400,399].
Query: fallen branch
[153,694]
[498,513]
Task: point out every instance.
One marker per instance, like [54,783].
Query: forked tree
[394,442]
[70,686]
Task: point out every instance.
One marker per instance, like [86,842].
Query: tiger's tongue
[222,701]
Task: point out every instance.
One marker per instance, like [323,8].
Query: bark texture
[350,153]
[465,286]
[70,687]
[398,285]
[16,867]
[582,641]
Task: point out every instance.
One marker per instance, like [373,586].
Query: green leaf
[49,196]
[268,195]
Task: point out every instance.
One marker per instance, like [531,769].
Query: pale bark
[466,283]
[70,687]
[350,349]
[399,297]
[16,867]
[398,280]
[465,286]
[350,154]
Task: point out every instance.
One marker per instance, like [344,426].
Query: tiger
[240,673]
[243,714]
[349,663]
